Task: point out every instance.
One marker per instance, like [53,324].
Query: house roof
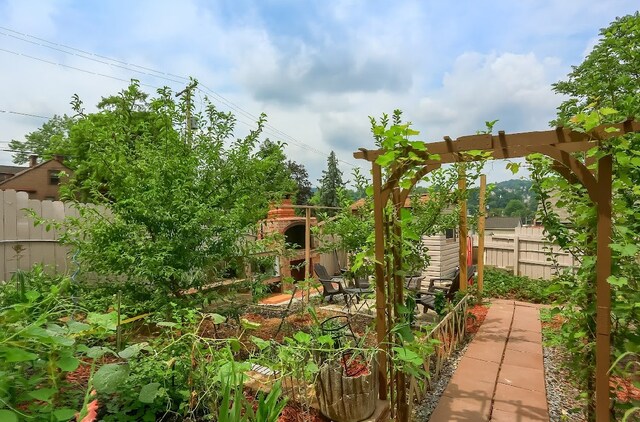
[12,169]
[28,169]
[502,222]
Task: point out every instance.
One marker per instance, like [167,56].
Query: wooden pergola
[559,145]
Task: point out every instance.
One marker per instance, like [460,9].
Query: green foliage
[604,88]
[518,193]
[608,77]
[440,303]
[178,202]
[39,346]
[504,285]
[301,178]
[270,406]
[42,142]
[330,184]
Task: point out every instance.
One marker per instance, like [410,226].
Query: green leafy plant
[503,284]
[602,89]
[271,405]
[171,206]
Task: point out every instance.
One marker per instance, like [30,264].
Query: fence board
[532,252]
[21,243]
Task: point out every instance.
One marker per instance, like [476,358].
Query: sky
[318,69]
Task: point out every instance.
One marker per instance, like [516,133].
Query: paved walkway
[501,375]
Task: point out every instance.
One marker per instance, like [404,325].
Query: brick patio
[501,375]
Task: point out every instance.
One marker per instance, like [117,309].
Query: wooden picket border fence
[450,333]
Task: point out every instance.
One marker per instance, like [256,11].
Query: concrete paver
[523,359]
[461,409]
[525,346]
[520,401]
[527,378]
[475,368]
[501,375]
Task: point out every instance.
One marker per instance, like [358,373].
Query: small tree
[331,183]
[301,177]
[40,142]
[179,201]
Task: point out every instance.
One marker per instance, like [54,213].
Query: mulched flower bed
[474,321]
[294,412]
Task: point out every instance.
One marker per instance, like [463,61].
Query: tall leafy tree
[179,201]
[40,142]
[301,177]
[604,88]
[331,183]
[609,76]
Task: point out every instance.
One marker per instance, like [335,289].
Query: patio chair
[413,283]
[333,286]
[427,299]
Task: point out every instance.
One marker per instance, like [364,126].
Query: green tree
[273,155]
[40,142]
[331,183]
[179,202]
[607,80]
[301,177]
[515,208]
[609,76]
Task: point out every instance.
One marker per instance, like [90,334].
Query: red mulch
[477,315]
[294,412]
[354,367]
[624,389]
[268,326]
[556,322]
[80,377]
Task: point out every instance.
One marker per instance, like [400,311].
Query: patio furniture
[333,286]
[362,282]
[413,283]
[427,299]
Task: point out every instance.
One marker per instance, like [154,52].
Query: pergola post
[398,284]
[462,231]
[381,318]
[603,289]
[481,221]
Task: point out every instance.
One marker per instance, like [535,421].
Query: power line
[24,114]
[158,74]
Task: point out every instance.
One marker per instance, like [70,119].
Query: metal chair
[427,299]
[333,286]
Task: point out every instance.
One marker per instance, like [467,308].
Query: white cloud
[449,72]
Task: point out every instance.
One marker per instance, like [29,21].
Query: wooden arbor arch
[558,144]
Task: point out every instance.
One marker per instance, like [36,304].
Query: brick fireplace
[283,219]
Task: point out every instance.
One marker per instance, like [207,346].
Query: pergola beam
[486,142]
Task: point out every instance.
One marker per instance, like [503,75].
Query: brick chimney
[33,160]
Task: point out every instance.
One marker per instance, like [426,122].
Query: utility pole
[188,93]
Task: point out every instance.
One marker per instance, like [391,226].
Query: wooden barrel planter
[345,398]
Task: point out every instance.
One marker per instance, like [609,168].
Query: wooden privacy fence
[525,251]
[21,243]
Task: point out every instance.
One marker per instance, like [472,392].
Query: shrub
[502,284]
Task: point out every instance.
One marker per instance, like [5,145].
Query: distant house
[7,172]
[40,181]
[501,225]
